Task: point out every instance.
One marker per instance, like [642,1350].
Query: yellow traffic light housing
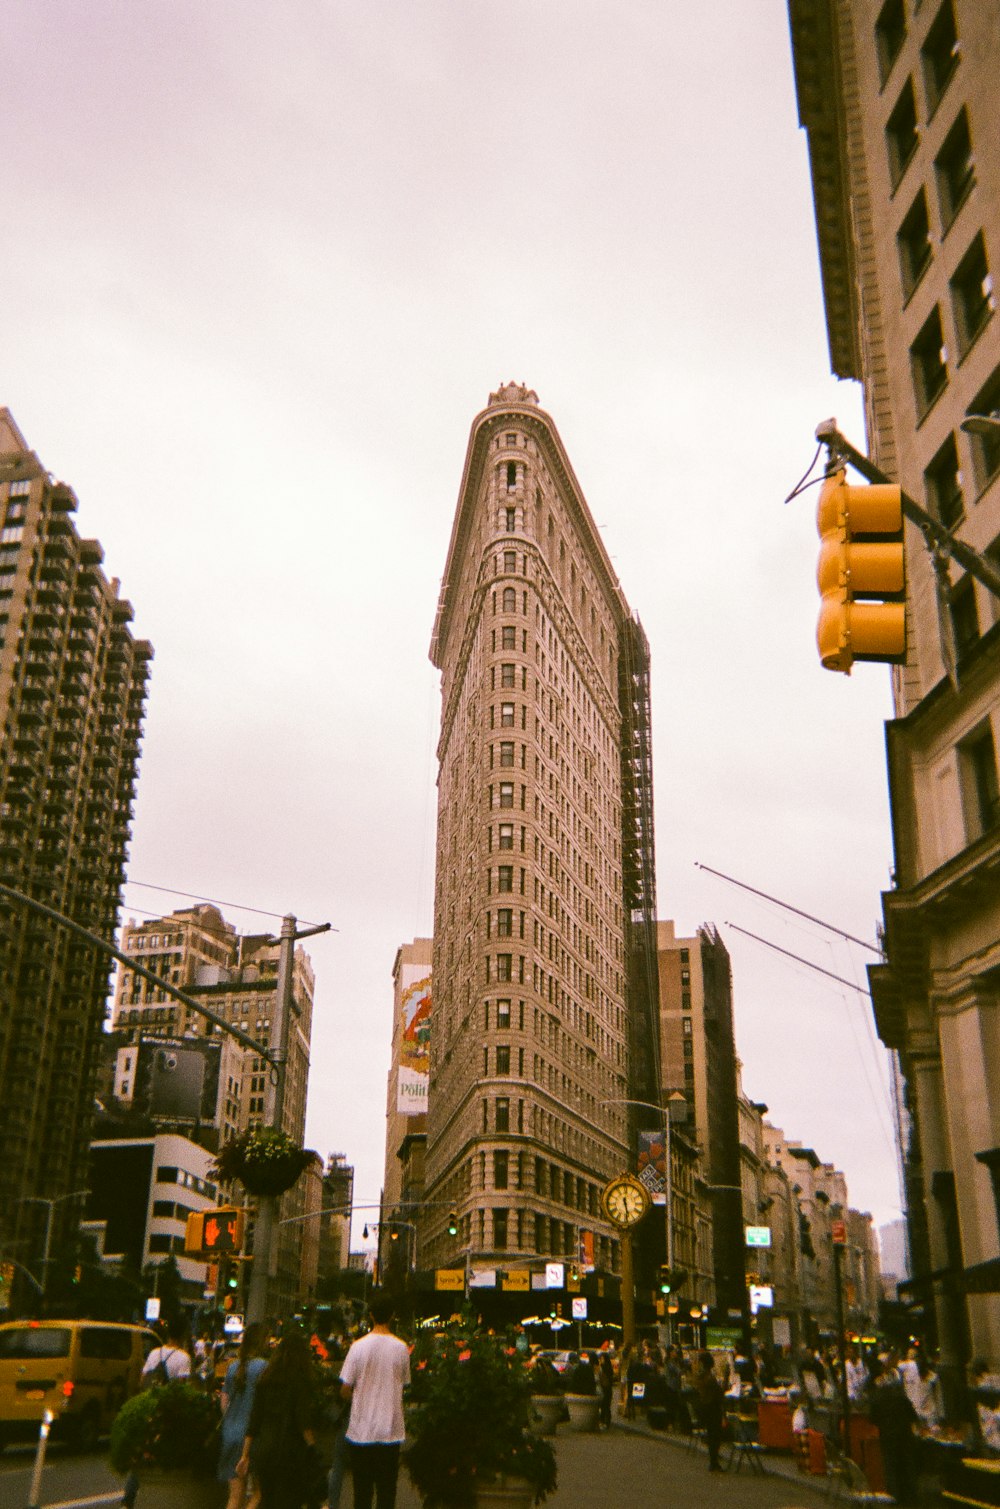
[861,557]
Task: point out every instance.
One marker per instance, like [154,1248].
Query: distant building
[142,1190]
[72,699]
[407,1089]
[172,1065]
[895,1255]
[699,1060]
[335,1224]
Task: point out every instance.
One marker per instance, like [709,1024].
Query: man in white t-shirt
[375,1372]
[165,1364]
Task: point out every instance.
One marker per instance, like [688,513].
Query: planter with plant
[265,1160]
[547,1402]
[167,1438]
[469,1437]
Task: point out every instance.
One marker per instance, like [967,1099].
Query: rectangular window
[504,963]
[972,294]
[955,170]
[901,135]
[980,784]
[940,55]
[510,560]
[964,616]
[507,674]
[501,1169]
[505,877]
[914,243]
[929,362]
[502,1116]
[687,1026]
[890,34]
[505,836]
[985,438]
[503,1013]
[505,923]
[500,1231]
[506,756]
[506,793]
[506,715]
[508,638]
[511,476]
[503,1059]
[943,481]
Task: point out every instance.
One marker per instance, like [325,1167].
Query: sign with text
[153,1307]
[838,1233]
[758,1236]
[413,1077]
[449,1278]
[517,1283]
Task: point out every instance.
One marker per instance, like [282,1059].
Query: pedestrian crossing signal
[213,1232]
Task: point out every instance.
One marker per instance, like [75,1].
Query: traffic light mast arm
[140,969]
[934,532]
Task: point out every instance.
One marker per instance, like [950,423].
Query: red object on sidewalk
[866,1449]
[774,1424]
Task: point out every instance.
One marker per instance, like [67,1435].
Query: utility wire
[861,942]
[799,959]
[237,906]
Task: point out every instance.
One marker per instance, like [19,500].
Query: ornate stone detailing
[513,392]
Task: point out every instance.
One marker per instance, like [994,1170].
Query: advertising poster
[414,1045]
[653,1164]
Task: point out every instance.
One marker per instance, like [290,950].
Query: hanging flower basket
[265,1160]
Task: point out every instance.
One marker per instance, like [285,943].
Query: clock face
[626,1201]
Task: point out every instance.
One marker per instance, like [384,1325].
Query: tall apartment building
[544,957]
[698,1048]
[899,102]
[72,696]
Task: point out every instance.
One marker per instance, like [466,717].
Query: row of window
[939,57]
[972,307]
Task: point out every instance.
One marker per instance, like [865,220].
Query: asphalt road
[619,1470]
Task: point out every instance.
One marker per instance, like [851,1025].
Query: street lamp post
[674,1099]
[76,1194]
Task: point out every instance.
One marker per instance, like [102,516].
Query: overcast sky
[263,265]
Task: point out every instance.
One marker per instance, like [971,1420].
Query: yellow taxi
[81,1371]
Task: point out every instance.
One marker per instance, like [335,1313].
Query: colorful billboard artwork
[414,1047]
[653,1161]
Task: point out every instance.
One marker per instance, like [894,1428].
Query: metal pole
[264,1246]
[34,1492]
[45,1251]
[845,1402]
[628,1290]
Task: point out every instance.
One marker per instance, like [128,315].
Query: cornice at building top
[819,87]
[540,424]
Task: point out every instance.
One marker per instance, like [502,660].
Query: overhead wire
[235,906]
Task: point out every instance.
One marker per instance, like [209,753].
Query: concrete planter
[505,1493]
[584,1411]
[548,1410]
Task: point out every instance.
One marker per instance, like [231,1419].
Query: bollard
[34,1494]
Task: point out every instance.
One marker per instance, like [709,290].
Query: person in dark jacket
[580,1377]
[892,1412]
[711,1400]
[280,1445]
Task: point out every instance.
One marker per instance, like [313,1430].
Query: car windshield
[34,1341]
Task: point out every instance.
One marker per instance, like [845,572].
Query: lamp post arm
[933,530]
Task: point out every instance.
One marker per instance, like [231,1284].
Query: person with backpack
[166,1363]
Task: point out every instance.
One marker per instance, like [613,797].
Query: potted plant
[469,1441]
[167,1438]
[546,1396]
[265,1160]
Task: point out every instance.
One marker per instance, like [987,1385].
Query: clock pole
[628,1291]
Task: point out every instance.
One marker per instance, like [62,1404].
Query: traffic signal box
[861,557]
[211,1233]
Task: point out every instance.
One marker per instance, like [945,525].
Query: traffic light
[671,1279]
[861,557]
[453,1225]
[214,1231]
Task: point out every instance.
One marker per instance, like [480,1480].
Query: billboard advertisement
[177,1079]
[414,1041]
[653,1164]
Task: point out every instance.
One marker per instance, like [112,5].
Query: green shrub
[470,1424]
[168,1427]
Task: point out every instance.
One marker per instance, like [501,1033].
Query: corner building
[544,958]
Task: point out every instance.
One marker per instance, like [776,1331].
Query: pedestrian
[375,1372]
[672,1380]
[238,1390]
[279,1448]
[892,1412]
[923,1388]
[710,1406]
[606,1375]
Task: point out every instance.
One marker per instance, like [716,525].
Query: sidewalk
[775,1463]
